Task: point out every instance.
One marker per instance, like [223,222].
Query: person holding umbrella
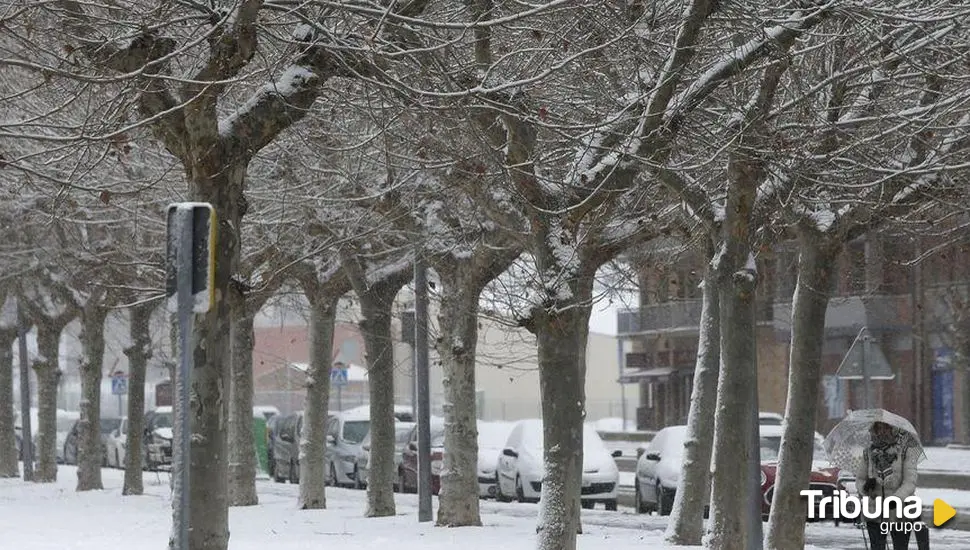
[882,450]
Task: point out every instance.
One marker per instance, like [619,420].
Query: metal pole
[619,363]
[26,436]
[183,452]
[340,396]
[866,378]
[423,390]
[121,408]
[755,533]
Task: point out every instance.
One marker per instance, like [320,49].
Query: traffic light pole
[26,436]
[422,375]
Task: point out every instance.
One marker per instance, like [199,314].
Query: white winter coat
[899,481]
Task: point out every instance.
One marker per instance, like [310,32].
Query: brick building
[876,287]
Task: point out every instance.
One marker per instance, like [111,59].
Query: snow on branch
[295,87]
[739,59]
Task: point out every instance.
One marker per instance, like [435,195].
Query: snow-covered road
[48,517]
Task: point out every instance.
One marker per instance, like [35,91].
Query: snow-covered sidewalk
[54,516]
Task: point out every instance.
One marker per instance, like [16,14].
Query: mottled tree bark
[562,329]
[313,444]
[8,437]
[686,525]
[242,451]
[139,352]
[736,283]
[376,299]
[90,452]
[48,372]
[816,267]
[217,175]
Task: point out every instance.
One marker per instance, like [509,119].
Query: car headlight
[764,478]
[436,467]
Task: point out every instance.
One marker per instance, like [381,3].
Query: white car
[520,467]
[116,443]
[491,439]
[658,471]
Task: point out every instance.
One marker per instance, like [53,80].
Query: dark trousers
[877,540]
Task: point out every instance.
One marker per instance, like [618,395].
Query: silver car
[402,430]
[345,433]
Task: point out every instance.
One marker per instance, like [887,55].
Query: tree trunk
[219,181]
[242,450]
[313,444]
[731,501]
[138,354]
[816,266]
[8,437]
[686,525]
[48,372]
[458,325]
[561,331]
[90,452]
[376,304]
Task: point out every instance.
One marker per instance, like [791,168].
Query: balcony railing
[844,314]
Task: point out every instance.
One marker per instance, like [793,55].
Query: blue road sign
[119,384]
[338,377]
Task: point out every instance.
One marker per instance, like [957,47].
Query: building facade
[915,313]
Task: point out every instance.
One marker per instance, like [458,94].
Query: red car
[408,475]
[824,476]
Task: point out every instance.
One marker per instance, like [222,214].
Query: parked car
[491,439]
[266,411]
[521,469]
[658,471]
[402,433]
[345,432]
[115,444]
[659,466]
[271,427]
[72,442]
[407,475]
[286,448]
[158,438]
[65,421]
[824,476]
[770,419]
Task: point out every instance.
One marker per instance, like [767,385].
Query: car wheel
[357,483]
[610,505]
[638,506]
[499,495]
[118,460]
[294,473]
[333,475]
[276,473]
[400,481]
[587,504]
[520,491]
[271,465]
[663,506]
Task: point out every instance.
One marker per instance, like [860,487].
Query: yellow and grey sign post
[189,282]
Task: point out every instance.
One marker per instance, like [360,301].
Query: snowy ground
[42,517]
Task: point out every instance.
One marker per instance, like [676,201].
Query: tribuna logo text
[846,506]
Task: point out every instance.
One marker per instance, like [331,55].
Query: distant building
[876,287]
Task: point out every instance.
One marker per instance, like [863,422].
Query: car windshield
[492,436]
[401,435]
[109,425]
[163,420]
[65,424]
[674,444]
[771,448]
[356,430]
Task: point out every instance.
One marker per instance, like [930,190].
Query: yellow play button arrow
[942,512]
